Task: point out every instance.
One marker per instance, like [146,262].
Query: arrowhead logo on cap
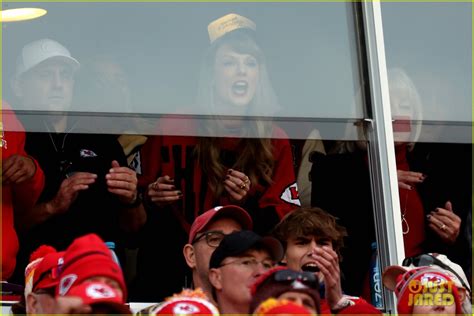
[66,283]
[185,308]
[98,290]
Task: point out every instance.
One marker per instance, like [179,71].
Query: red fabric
[411,205]
[161,153]
[10,298]
[42,251]
[15,198]
[360,307]
[46,273]
[85,258]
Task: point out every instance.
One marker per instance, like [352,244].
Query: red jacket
[20,197]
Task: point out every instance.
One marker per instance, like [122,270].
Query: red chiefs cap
[101,297]
[88,257]
[231,211]
[185,306]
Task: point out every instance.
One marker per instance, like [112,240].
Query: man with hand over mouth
[312,240]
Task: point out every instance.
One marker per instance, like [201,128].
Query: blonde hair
[400,85]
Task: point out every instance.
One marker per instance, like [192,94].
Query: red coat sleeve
[26,194]
[15,198]
[283,193]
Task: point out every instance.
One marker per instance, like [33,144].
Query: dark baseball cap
[237,243]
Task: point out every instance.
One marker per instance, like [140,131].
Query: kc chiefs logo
[100,290]
[185,309]
[66,283]
[290,194]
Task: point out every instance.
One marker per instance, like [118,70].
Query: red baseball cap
[231,211]
[88,257]
[99,294]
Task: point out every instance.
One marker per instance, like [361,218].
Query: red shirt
[19,197]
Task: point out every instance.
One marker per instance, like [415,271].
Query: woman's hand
[445,223]
[163,191]
[237,184]
[406,179]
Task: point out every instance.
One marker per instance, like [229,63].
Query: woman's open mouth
[240,87]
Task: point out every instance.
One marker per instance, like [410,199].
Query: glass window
[157,48]
[429,61]
[431,52]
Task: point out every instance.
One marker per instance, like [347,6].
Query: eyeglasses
[213,238]
[251,263]
[306,278]
[429,260]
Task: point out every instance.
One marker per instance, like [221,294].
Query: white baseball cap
[41,50]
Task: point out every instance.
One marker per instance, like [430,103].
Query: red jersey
[174,156]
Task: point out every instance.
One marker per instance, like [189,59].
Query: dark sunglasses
[426,260]
[306,278]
